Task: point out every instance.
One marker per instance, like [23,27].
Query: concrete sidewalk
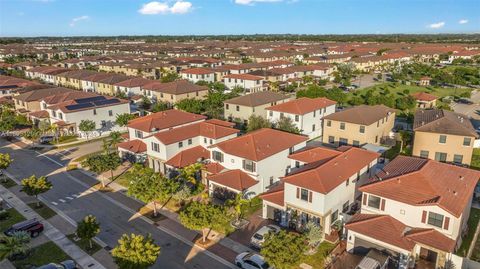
[60,239]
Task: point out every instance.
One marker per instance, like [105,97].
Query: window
[356,143]
[331,139]
[342,125]
[138,134]
[334,216]
[94,112]
[211,141]
[343,141]
[329,123]
[190,141]
[442,139]
[347,182]
[304,194]
[297,164]
[103,123]
[155,147]
[457,158]
[435,219]
[362,129]
[440,156]
[110,113]
[205,140]
[297,118]
[180,144]
[314,113]
[345,206]
[227,106]
[313,127]
[291,150]
[60,115]
[217,156]
[237,108]
[466,141]
[249,165]
[271,180]
[54,114]
[424,154]
[270,113]
[374,201]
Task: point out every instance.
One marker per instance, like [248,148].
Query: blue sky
[182,17]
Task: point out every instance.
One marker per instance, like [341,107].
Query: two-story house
[321,187]
[359,125]
[253,162]
[417,209]
[199,74]
[306,113]
[443,135]
[250,83]
[242,107]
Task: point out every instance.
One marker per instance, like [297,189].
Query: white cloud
[437,25]
[154,8]
[463,21]
[77,19]
[251,2]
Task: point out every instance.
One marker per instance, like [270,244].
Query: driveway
[470,110]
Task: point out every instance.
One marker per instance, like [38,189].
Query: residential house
[29,101]
[175,91]
[249,83]
[242,107]
[253,162]
[417,210]
[199,74]
[306,113]
[443,135]
[359,125]
[425,100]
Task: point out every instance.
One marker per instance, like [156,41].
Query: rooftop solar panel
[106,102]
[90,99]
[79,106]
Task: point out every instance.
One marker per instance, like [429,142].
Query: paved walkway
[76,253]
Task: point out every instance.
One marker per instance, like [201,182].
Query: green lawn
[41,255]
[316,260]
[84,157]
[475,164]
[14,217]
[472,225]
[123,179]
[85,245]
[397,89]
[65,139]
[44,211]
[7,182]
[476,251]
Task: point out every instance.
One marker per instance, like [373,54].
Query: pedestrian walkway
[71,249]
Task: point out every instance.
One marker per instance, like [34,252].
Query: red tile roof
[234,179]
[260,144]
[302,105]
[243,76]
[164,120]
[206,129]
[135,146]
[324,176]
[391,231]
[315,154]
[417,182]
[198,71]
[188,157]
[275,195]
[423,96]
[214,168]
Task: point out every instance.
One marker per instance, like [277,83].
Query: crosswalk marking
[53,203]
[61,200]
[69,198]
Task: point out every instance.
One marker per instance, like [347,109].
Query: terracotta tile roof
[391,231]
[423,96]
[164,120]
[260,144]
[41,114]
[87,103]
[257,99]
[443,122]
[175,87]
[214,168]
[205,129]
[275,195]
[324,176]
[243,77]
[38,94]
[302,105]
[134,82]
[314,154]
[363,114]
[198,71]
[234,179]
[67,96]
[135,146]
[221,122]
[418,182]
[188,157]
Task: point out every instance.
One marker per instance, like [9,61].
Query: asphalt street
[75,199]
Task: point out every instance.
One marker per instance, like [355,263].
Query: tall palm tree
[115,138]
[14,245]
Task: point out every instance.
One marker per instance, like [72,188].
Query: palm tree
[115,138]
[14,245]
[237,204]
[189,173]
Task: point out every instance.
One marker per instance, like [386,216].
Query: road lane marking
[50,159]
[53,203]
[61,200]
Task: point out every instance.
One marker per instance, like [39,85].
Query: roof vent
[461,177]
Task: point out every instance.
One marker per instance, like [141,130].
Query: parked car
[250,260]
[68,264]
[259,237]
[46,139]
[32,226]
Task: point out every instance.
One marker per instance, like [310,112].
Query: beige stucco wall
[172,98]
[454,145]
[246,111]
[372,134]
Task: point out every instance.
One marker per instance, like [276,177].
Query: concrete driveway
[470,110]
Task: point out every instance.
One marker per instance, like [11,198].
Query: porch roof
[135,146]
[188,157]
[275,195]
[391,231]
[234,179]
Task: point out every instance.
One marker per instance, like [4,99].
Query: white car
[259,237]
[250,260]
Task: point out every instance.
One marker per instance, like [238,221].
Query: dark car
[46,139]
[68,264]
[32,226]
